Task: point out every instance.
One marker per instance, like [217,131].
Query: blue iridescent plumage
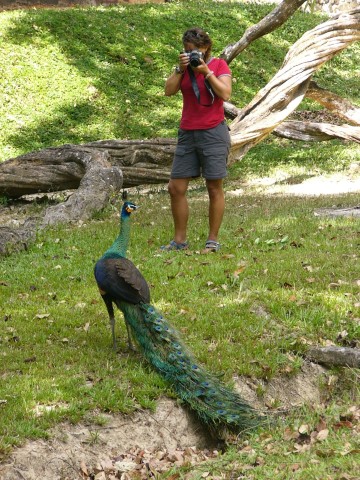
[121,283]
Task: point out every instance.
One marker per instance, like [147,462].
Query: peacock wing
[127,271]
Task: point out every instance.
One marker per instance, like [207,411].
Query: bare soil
[146,443]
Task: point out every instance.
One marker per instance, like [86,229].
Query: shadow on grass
[125,53]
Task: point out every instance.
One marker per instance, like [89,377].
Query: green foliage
[78,75]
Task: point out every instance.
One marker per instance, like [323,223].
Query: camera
[195,56]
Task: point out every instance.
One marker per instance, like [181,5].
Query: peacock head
[128,208]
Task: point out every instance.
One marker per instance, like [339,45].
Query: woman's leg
[216,207]
[179,207]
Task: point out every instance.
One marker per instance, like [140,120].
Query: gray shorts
[202,152]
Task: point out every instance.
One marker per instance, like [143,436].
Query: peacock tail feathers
[214,402]
[122,284]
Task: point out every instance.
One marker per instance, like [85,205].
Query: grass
[70,76]
[78,75]
[56,345]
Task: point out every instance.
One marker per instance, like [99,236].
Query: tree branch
[334,103]
[335,356]
[316,132]
[271,22]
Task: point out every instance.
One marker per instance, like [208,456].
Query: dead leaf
[42,315]
[290,434]
[322,435]
[304,429]
[321,425]
[83,468]
[239,270]
[301,448]
[343,424]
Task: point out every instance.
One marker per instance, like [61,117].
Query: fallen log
[317,132]
[335,356]
[88,170]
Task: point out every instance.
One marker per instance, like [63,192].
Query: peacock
[122,284]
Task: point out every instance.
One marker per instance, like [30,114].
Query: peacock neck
[120,245]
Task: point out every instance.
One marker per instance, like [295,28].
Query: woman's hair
[199,38]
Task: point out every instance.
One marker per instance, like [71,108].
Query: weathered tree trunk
[88,170]
[62,168]
[342,107]
[271,22]
[288,87]
[94,167]
[317,132]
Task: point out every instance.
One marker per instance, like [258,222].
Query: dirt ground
[145,443]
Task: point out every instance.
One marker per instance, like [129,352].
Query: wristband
[179,71]
[209,74]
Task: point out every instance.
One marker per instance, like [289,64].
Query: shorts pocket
[182,150]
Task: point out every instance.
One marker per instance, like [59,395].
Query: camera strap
[195,87]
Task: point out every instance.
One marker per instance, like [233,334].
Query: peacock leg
[130,343]
[112,325]
[110,310]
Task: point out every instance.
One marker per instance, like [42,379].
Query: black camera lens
[194,58]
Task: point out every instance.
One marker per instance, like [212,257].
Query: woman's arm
[172,84]
[221,86]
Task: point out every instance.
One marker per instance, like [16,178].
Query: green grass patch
[58,363]
[78,75]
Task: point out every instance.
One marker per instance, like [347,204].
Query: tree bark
[88,170]
[335,356]
[317,132]
[288,87]
[63,168]
[271,22]
[334,103]
[308,131]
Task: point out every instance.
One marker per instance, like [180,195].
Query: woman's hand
[172,84]
[202,68]
[183,61]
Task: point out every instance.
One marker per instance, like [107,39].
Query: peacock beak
[132,208]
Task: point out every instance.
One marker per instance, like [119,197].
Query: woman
[203,139]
